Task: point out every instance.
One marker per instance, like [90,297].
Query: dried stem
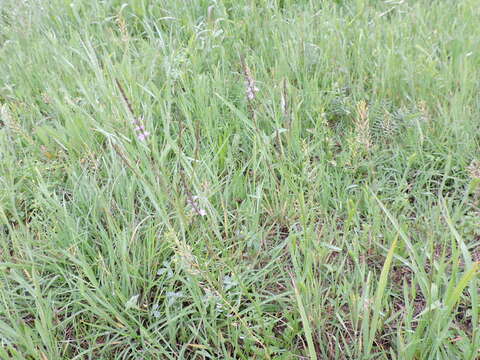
[285,105]
[142,134]
[190,198]
[125,98]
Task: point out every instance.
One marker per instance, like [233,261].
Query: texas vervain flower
[250,89]
[194,204]
[142,134]
[250,86]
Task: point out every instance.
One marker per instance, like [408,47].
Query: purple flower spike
[251,90]
[142,136]
[193,203]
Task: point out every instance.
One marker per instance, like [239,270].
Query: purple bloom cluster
[142,134]
[194,204]
[251,89]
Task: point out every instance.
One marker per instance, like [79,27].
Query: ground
[239,179]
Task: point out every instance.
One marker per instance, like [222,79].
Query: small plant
[362,125]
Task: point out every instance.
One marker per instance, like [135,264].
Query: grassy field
[239,179]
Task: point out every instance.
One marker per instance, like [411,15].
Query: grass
[239,179]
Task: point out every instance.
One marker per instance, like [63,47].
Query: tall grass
[239,179]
